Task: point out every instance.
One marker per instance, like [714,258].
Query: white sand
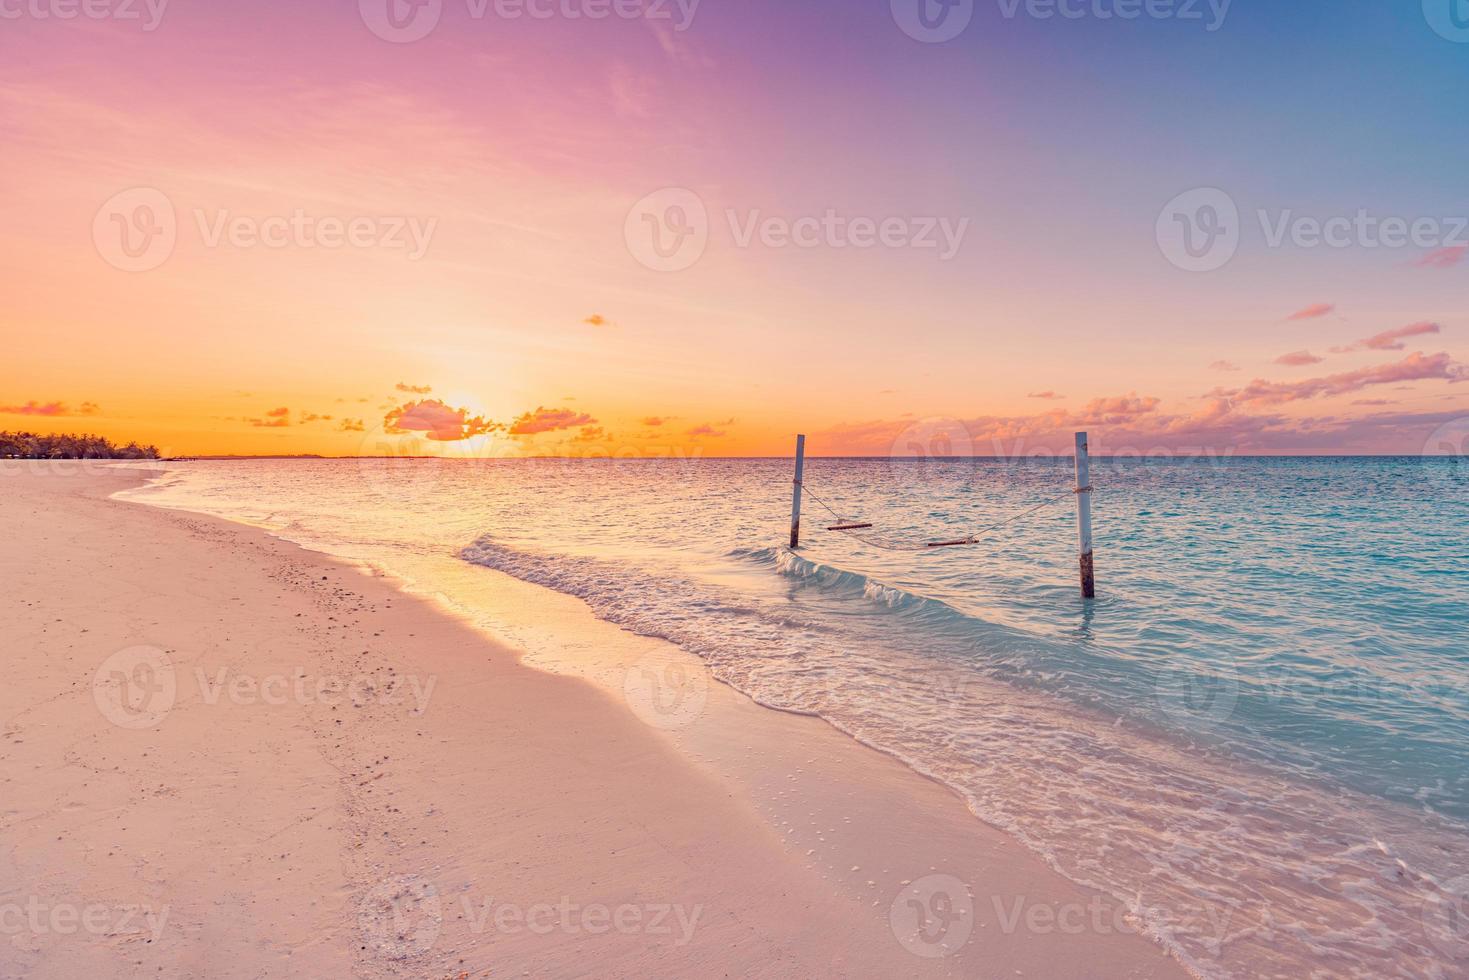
[251,821]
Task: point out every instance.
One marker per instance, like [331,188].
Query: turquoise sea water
[1257,734]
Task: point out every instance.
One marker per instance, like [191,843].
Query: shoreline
[743,853]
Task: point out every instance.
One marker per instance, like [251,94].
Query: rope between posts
[973,538]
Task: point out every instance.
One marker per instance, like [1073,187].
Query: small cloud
[1313,311]
[596,320]
[437,421]
[49,409]
[1374,401]
[1223,366]
[654,420]
[1045,395]
[549,420]
[278,413]
[313,417]
[590,433]
[1391,339]
[705,430]
[1443,258]
[413,389]
[279,422]
[1298,358]
[351,425]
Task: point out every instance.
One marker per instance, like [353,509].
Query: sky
[623,228]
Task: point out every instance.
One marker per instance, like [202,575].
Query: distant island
[29,445]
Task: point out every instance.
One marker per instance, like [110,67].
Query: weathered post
[796,492]
[1084,516]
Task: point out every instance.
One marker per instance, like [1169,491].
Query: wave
[1190,838]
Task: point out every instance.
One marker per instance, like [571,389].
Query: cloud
[1298,358]
[1414,367]
[49,409]
[596,320]
[1374,401]
[1115,411]
[437,421]
[1047,395]
[1223,366]
[1313,311]
[277,413]
[351,425]
[413,389]
[655,420]
[279,422]
[590,433]
[706,430]
[1443,258]
[549,420]
[1391,339]
[313,417]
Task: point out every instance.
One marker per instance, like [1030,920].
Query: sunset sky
[497,174]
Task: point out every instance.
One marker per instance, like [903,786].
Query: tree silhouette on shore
[29,445]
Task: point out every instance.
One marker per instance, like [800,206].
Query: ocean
[1257,735]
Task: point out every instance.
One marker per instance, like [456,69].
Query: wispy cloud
[1298,358]
[1045,395]
[1224,366]
[549,420]
[1313,311]
[706,430]
[596,320]
[1391,339]
[1443,258]
[49,409]
[413,389]
[351,425]
[1414,367]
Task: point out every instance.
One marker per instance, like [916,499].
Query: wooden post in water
[1084,516]
[796,492]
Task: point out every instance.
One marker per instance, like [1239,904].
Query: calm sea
[1257,735]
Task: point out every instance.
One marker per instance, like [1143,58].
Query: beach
[224,755]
